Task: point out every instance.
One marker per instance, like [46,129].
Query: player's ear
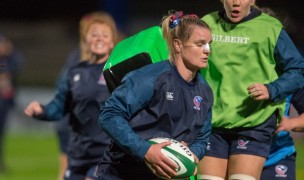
[177,45]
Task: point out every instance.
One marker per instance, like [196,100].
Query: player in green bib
[252,68]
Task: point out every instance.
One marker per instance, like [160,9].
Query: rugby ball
[179,154]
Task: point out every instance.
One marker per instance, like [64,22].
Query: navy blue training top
[81,93]
[155,101]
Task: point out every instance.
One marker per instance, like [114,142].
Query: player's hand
[34,108]
[258,91]
[161,166]
[286,125]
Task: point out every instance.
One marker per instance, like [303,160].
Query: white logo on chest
[76,77]
[169,96]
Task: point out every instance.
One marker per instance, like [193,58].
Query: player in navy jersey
[164,99]
[296,123]
[11,62]
[281,162]
[81,93]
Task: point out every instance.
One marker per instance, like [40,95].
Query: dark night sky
[124,10]
[36,9]
[41,27]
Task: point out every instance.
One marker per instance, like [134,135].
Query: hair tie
[87,17]
[175,19]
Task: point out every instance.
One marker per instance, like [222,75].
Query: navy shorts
[117,165]
[253,141]
[284,169]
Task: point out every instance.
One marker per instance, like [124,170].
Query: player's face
[196,50]
[99,39]
[236,10]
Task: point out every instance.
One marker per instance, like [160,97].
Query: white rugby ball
[179,154]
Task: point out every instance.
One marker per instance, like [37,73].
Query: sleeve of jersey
[298,100]
[201,141]
[291,63]
[54,110]
[126,100]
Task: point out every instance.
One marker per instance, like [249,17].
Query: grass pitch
[34,156]
[31,156]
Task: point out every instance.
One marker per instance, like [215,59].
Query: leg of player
[214,164]
[63,164]
[244,166]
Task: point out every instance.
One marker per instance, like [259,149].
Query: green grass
[34,156]
[300,156]
[31,156]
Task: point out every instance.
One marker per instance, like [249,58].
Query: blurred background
[45,32]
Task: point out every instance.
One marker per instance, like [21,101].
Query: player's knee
[241,177]
[208,177]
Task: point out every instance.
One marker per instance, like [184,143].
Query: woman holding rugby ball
[165,99]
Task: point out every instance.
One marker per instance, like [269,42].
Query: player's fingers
[279,129]
[251,87]
[184,143]
[164,144]
[195,171]
[169,164]
[254,92]
[165,171]
[28,111]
